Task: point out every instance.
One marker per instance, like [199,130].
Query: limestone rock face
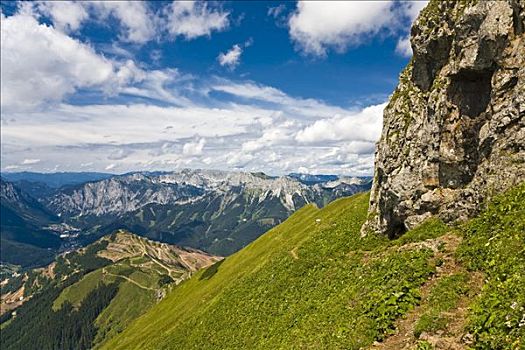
[454,129]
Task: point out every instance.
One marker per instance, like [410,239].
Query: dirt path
[104,272]
[294,253]
[145,252]
[404,338]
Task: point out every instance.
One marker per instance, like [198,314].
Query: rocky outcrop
[454,129]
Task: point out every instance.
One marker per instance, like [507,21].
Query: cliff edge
[454,129]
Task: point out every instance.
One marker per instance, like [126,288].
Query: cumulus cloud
[136,20]
[231,58]
[318,26]
[66,15]
[193,148]
[192,19]
[41,64]
[251,127]
[363,126]
[277,139]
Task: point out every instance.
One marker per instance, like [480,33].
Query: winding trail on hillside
[105,272]
[145,253]
[452,338]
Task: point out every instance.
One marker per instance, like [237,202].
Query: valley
[427,253]
[140,273]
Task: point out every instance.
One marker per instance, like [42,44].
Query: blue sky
[255,86]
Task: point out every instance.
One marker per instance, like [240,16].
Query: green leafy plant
[494,243]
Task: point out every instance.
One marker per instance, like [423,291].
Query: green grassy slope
[130,301]
[313,283]
[494,243]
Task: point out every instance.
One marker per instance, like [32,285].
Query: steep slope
[302,284]
[313,282]
[122,275]
[217,211]
[24,241]
[454,129]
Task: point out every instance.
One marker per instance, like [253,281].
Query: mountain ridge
[129,265]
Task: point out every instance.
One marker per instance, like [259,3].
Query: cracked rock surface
[454,129]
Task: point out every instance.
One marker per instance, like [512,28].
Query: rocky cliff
[454,129]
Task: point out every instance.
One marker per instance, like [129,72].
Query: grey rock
[454,129]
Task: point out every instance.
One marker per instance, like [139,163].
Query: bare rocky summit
[454,129]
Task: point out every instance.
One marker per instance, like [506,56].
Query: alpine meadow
[262,175]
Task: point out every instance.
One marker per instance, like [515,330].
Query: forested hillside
[88,296]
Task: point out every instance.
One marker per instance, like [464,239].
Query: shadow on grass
[211,271]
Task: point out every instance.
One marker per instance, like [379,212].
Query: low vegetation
[312,282]
[494,243]
[443,297]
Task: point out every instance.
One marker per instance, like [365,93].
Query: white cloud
[309,108]
[136,19]
[41,64]
[231,58]
[30,161]
[252,127]
[193,148]
[243,136]
[66,15]
[12,167]
[411,10]
[138,23]
[276,11]
[363,126]
[192,19]
[316,26]
[403,47]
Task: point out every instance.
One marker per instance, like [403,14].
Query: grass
[130,302]
[494,243]
[304,284]
[78,291]
[429,229]
[313,283]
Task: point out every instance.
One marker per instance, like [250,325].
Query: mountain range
[432,258]
[216,211]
